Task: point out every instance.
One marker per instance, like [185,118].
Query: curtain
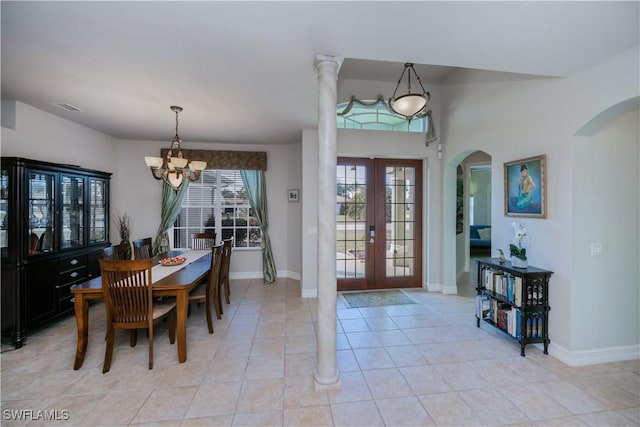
[171,205]
[431,130]
[254,183]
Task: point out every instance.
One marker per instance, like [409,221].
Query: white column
[326,374]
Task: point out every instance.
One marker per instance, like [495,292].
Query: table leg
[182,304]
[82,321]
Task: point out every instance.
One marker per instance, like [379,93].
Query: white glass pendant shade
[179,162]
[153,162]
[197,165]
[175,179]
[170,166]
[409,105]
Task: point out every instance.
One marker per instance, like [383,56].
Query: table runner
[161,271]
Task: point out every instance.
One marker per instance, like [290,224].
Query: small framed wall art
[293,195]
[525,187]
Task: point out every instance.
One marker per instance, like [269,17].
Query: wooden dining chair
[203,240]
[118,252]
[209,292]
[129,304]
[34,244]
[142,248]
[227,248]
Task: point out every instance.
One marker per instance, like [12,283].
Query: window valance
[244,160]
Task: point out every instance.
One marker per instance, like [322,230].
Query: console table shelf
[514,300]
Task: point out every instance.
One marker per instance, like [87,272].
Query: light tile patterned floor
[420,365]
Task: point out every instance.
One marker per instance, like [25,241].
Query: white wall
[43,136]
[518,119]
[294,213]
[35,134]
[606,210]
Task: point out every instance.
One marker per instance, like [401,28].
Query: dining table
[167,281]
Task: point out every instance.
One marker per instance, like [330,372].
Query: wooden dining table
[176,284]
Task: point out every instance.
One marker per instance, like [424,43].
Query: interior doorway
[473,217]
[479,210]
[379,223]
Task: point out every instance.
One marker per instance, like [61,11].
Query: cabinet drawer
[72,263]
[65,304]
[70,277]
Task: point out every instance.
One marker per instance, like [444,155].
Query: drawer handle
[74,261]
[74,274]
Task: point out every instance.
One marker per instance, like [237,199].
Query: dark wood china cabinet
[54,223]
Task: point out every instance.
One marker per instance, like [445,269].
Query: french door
[379,223]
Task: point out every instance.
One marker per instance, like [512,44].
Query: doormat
[376,298]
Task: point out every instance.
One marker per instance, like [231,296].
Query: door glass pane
[41,212]
[97,211]
[400,234]
[351,191]
[72,215]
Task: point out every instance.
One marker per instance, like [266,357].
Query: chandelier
[409,104]
[174,169]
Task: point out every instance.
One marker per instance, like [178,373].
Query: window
[376,116]
[217,202]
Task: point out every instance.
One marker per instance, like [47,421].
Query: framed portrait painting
[525,188]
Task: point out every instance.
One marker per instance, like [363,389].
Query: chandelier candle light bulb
[173,170]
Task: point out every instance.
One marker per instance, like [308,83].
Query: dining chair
[209,292]
[227,248]
[34,244]
[118,252]
[142,248]
[45,243]
[204,240]
[129,304]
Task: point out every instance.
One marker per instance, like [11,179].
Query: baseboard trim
[593,357]
[290,275]
[246,275]
[434,287]
[439,287]
[284,274]
[450,290]
[309,293]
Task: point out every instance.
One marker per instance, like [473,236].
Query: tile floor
[420,364]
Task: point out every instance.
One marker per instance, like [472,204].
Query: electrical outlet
[596,248]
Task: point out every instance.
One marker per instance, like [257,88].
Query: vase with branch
[517,248]
[123,223]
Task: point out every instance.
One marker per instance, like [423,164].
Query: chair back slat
[227,248]
[214,273]
[142,248]
[117,252]
[126,286]
[203,240]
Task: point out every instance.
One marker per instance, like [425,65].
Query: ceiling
[243,71]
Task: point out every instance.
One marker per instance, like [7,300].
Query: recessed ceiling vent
[68,107]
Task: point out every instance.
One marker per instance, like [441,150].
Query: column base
[323,383]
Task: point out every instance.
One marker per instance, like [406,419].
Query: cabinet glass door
[72,213]
[4,211]
[97,210]
[41,201]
